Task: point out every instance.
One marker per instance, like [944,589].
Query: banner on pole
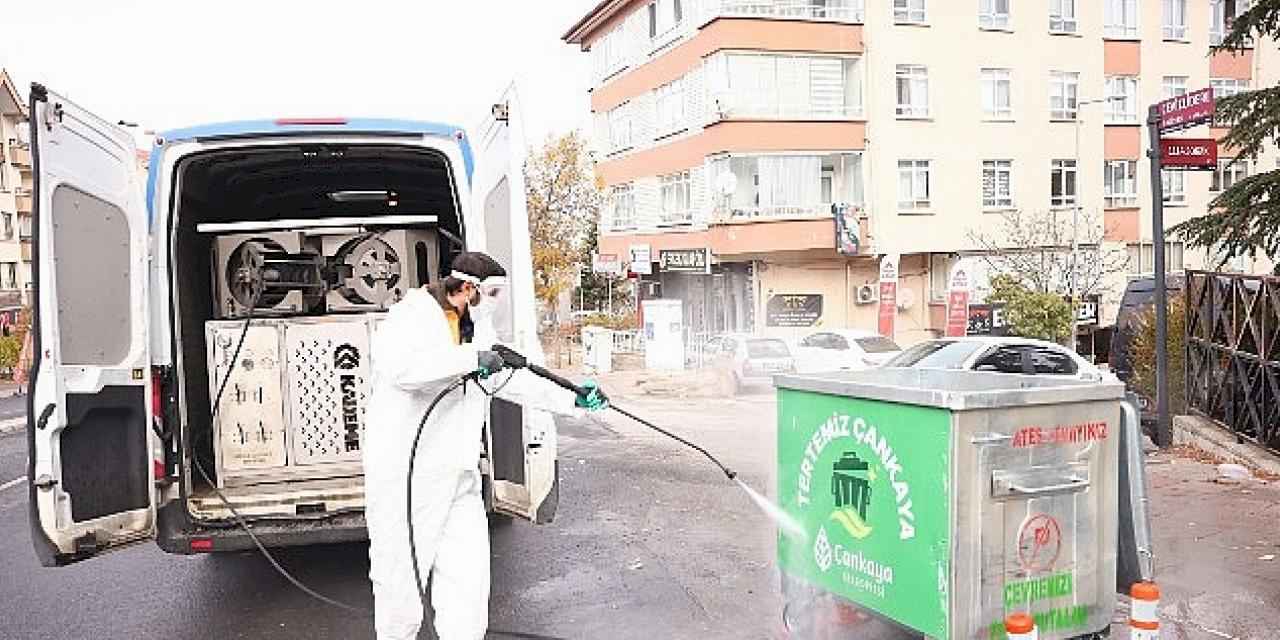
[888,295]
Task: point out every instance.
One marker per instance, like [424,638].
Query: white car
[750,360]
[1000,355]
[843,349]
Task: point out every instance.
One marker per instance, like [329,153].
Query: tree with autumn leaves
[1243,220]
[564,200]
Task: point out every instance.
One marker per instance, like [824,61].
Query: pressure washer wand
[515,360]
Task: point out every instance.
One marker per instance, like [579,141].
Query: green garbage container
[945,500]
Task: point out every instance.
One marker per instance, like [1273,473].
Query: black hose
[413,456]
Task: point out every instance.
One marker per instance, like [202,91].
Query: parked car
[843,349]
[998,354]
[750,360]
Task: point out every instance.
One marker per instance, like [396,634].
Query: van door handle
[43,420]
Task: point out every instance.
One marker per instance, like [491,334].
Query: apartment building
[739,139]
[15,199]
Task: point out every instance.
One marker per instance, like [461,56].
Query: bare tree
[1036,250]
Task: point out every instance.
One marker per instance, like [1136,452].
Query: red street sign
[888,308]
[1186,110]
[1186,153]
[957,313]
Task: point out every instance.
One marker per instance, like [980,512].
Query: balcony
[20,156]
[24,200]
[850,11]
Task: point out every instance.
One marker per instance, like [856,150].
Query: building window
[1174,187]
[610,52]
[8,226]
[24,227]
[997,184]
[669,106]
[1122,111]
[664,15]
[909,12]
[1219,23]
[1121,19]
[1173,86]
[993,14]
[1062,16]
[1062,183]
[1175,20]
[1225,88]
[1120,183]
[997,91]
[790,185]
[783,86]
[913,184]
[624,207]
[677,207]
[1064,91]
[620,128]
[4,177]
[1142,257]
[9,275]
[1229,172]
[913,91]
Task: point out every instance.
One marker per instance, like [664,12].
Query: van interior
[262,184]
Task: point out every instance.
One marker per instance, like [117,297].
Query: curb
[13,424]
[1213,438]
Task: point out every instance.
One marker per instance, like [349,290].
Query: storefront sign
[868,483]
[641,259]
[686,260]
[1198,154]
[606,263]
[848,241]
[1186,110]
[888,295]
[989,319]
[793,310]
[959,288]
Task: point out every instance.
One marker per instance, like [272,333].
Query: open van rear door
[88,431]
[522,441]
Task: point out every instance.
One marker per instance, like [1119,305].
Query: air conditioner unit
[866,294]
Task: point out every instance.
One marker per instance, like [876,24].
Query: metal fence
[1233,353]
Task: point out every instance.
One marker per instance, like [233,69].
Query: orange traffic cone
[1144,619]
[1020,626]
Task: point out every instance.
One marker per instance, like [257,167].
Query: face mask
[485,302]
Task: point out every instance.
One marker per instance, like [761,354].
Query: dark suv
[1139,296]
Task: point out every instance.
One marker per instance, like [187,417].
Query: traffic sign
[1189,153]
[1186,110]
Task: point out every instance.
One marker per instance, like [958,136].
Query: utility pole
[1164,431]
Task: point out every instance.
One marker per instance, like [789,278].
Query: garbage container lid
[953,390]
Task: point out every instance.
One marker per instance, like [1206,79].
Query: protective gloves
[594,399]
[488,363]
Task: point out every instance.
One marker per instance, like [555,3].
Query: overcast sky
[169,63]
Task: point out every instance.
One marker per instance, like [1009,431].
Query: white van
[305,230]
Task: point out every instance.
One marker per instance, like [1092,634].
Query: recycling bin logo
[822,550]
[851,479]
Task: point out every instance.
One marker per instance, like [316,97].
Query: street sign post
[1193,154]
[1180,112]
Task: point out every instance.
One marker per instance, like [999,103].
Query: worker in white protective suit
[422,345]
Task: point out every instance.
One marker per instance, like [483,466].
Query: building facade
[15,199]
[737,139]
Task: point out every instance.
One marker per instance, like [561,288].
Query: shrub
[1144,354]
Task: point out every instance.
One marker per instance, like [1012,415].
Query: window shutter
[826,86]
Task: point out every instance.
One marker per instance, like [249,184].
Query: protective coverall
[414,356]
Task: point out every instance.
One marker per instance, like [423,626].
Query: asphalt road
[12,406]
[648,543]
